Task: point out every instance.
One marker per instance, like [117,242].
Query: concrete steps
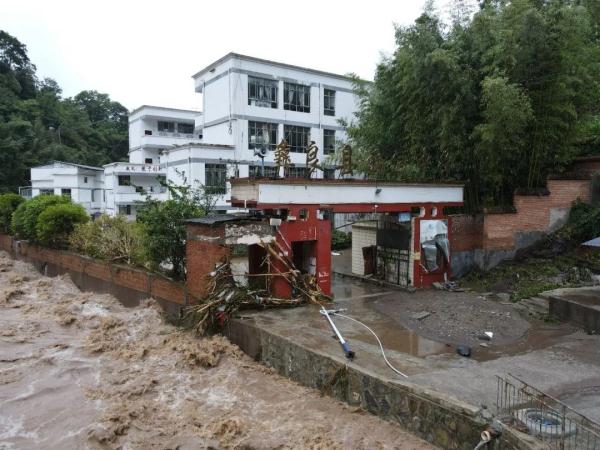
[535,306]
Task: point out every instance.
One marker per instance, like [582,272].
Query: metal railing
[548,419]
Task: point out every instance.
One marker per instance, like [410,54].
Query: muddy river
[79,370]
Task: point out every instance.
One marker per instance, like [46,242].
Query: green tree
[56,223]
[25,217]
[38,125]
[8,204]
[499,99]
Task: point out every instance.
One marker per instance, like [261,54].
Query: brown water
[79,370]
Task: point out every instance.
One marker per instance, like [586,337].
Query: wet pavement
[556,358]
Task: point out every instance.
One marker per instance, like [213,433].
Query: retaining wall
[441,420]
[129,285]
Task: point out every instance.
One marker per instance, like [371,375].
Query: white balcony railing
[136,197]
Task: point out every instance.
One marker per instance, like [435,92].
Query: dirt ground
[79,370]
[455,317]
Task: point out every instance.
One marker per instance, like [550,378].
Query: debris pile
[225,296]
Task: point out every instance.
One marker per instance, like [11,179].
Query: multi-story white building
[249,106]
[84,184]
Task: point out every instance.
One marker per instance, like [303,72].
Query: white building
[84,184]
[248,106]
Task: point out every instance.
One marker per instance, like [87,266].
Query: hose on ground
[378,341]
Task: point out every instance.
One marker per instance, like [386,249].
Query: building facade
[249,105]
[83,184]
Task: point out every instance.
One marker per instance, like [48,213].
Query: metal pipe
[349,353]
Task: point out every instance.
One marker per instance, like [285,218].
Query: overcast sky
[145,52]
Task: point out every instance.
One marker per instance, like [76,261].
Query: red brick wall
[533,213]
[203,252]
[466,232]
[152,285]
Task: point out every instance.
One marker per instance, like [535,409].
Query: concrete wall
[442,420]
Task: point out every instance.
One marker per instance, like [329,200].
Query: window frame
[271,127]
[123,177]
[215,178]
[170,128]
[127,210]
[328,134]
[270,99]
[291,133]
[297,172]
[298,91]
[329,102]
[66,192]
[270,171]
[189,126]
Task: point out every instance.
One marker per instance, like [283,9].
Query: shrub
[165,233]
[8,204]
[25,217]
[110,238]
[56,222]
[340,240]
[583,223]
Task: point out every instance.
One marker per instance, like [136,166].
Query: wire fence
[548,419]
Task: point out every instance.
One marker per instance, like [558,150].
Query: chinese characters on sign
[142,168]
[282,156]
[346,168]
[312,162]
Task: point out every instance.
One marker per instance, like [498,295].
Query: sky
[145,52]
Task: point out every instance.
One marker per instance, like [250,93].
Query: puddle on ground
[360,298]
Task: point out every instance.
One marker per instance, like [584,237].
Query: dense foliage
[56,223]
[110,238]
[499,98]
[37,125]
[8,204]
[583,223]
[164,225]
[340,240]
[25,217]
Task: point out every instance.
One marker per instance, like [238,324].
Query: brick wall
[204,250]
[484,241]
[534,213]
[125,282]
[466,232]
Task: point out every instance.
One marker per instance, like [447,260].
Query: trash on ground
[420,315]
[464,350]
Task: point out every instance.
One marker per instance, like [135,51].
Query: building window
[148,132]
[328,142]
[215,178]
[168,127]
[297,137]
[46,191]
[270,172]
[329,174]
[296,97]
[93,195]
[148,160]
[329,102]
[124,180]
[85,180]
[297,172]
[185,128]
[66,192]
[262,135]
[125,210]
[262,92]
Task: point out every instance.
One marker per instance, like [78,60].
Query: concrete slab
[556,358]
